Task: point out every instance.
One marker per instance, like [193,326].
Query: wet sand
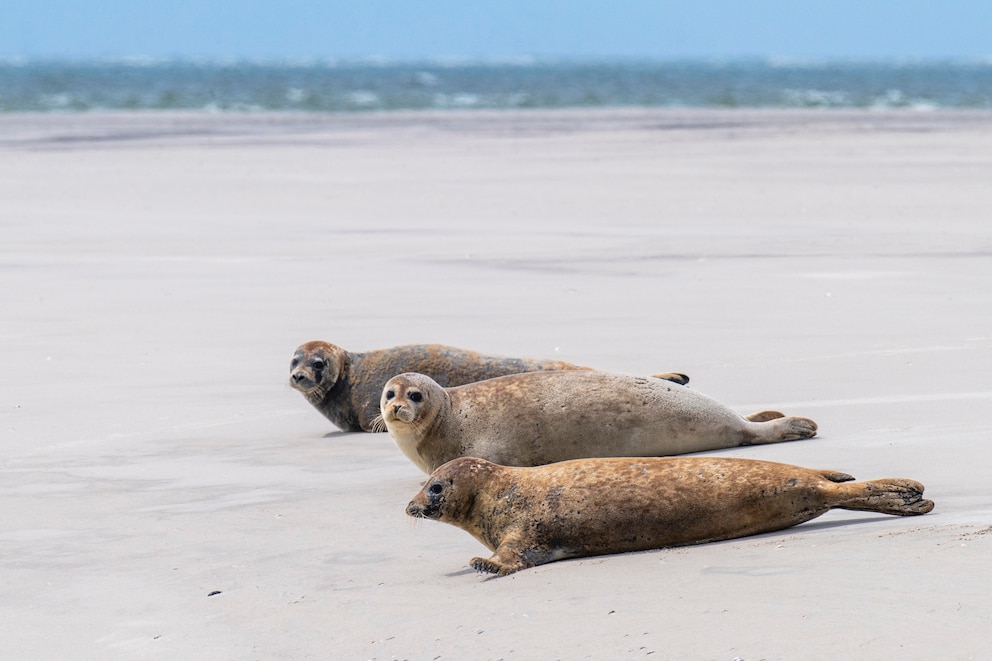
[167,495]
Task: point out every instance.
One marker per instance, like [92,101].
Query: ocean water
[377,86]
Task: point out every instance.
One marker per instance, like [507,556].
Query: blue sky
[272,29]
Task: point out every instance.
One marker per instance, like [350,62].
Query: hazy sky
[496,29]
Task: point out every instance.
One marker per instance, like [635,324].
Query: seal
[543,417]
[532,516]
[345,386]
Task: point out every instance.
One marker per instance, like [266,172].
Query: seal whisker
[377,425]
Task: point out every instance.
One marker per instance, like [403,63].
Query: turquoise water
[372,86]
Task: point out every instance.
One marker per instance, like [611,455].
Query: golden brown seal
[542,417]
[532,516]
[345,386]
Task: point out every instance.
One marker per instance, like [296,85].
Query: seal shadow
[343,434]
[462,572]
[825,525]
[819,525]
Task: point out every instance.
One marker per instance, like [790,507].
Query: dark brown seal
[532,516]
[542,417]
[346,386]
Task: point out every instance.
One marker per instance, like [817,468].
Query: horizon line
[454,61]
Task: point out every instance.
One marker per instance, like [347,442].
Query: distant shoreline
[64,130]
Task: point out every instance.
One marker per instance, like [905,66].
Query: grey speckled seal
[345,386]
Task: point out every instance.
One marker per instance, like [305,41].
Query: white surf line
[890,399]
[892,352]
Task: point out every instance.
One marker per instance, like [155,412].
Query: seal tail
[897,496]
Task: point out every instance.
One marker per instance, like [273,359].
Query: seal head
[412,407]
[315,369]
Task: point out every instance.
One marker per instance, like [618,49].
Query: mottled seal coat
[345,386]
[543,417]
[532,516]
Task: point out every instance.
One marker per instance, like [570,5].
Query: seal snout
[301,381]
[428,502]
[419,509]
[415,510]
[397,412]
[402,399]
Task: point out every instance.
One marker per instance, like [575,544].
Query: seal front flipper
[764,416]
[490,566]
[836,476]
[510,556]
[501,563]
[674,377]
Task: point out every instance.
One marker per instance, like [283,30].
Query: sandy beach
[166,495]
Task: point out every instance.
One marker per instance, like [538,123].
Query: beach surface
[166,495]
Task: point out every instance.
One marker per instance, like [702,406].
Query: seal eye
[294,362]
[390,394]
[435,488]
[318,364]
[415,397]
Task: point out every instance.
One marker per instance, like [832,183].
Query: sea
[377,85]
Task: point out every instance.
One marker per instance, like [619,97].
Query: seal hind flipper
[898,496]
[776,430]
